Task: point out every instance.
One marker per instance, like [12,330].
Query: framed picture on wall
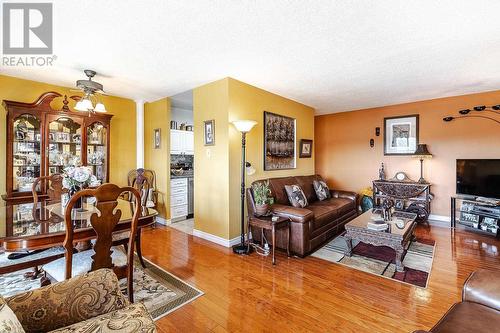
[305,148]
[209,132]
[400,135]
[279,142]
[156,138]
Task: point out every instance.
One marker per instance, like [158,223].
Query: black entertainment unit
[475,216]
[478,183]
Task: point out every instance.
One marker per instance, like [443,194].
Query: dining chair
[144,181]
[51,186]
[103,216]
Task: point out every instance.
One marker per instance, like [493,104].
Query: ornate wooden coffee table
[394,237]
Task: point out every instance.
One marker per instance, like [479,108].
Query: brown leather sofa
[313,225]
[479,310]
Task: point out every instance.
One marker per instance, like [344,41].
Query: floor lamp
[243,126]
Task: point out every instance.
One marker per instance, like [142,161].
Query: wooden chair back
[143,180]
[104,223]
[49,185]
[53,188]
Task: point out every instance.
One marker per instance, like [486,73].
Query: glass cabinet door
[65,144]
[97,141]
[26,152]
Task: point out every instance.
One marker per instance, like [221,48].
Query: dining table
[30,233]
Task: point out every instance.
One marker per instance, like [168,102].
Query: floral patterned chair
[87,303]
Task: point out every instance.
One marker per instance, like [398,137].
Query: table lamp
[422,153]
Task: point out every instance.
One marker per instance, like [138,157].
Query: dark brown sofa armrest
[344,194]
[483,287]
[421,331]
[300,215]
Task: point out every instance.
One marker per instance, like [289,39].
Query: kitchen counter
[183,176]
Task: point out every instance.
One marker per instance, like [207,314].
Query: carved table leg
[348,241]
[399,255]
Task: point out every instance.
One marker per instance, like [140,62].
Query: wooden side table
[266,223]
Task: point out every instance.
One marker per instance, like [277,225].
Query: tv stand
[476,215]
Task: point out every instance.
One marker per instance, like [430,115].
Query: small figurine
[381,172]
[387,211]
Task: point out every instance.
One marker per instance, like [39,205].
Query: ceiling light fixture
[90,102]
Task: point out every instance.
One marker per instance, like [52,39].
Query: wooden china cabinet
[41,141]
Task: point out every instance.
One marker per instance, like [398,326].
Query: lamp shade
[422,151]
[99,107]
[84,105]
[244,126]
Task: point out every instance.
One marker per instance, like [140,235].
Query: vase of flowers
[76,179]
[262,198]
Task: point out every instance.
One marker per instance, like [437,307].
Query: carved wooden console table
[407,194]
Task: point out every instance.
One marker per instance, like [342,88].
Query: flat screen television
[479,178]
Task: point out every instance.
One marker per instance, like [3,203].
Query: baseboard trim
[440,220]
[162,221]
[216,239]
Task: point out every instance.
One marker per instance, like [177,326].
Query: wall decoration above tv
[279,142]
[400,135]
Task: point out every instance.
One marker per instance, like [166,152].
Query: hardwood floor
[248,294]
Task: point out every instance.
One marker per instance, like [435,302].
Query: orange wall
[345,159]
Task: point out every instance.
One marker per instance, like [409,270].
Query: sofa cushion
[323,214]
[321,189]
[8,320]
[278,191]
[343,205]
[306,182]
[133,318]
[468,317]
[296,196]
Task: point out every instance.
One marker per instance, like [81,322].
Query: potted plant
[262,198]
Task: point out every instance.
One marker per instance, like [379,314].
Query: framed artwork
[156,138]
[305,149]
[400,135]
[279,142]
[209,132]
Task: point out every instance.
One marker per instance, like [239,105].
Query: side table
[266,223]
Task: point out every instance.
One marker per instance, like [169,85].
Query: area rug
[380,260]
[159,290]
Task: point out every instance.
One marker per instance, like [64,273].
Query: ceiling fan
[90,101]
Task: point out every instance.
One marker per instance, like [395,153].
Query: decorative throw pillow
[296,196]
[322,190]
[8,319]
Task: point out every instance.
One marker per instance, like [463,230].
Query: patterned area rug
[159,290]
[379,260]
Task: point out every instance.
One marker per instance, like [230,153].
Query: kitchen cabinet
[178,198]
[181,142]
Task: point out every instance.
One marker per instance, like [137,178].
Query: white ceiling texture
[334,55]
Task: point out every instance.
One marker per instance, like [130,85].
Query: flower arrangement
[367,191]
[77,178]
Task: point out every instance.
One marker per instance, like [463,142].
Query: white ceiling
[183,100]
[332,55]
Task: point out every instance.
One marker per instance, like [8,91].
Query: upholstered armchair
[90,302]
